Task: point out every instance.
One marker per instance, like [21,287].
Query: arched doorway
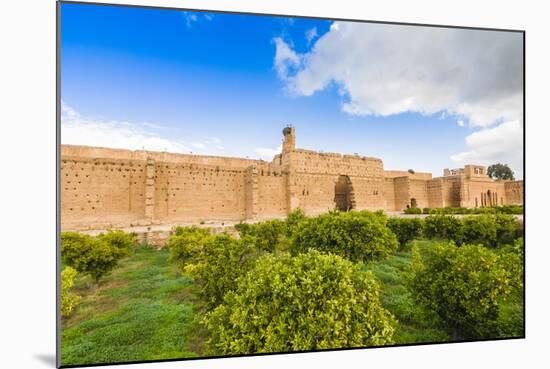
[343,194]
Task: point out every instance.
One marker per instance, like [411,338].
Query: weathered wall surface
[103,188]
[389,194]
[419,191]
[99,192]
[514,192]
[189,192]
[483,193]
[402,192]
[313,177]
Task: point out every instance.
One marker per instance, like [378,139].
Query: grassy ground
[146,310]
[415,325]
[143,310]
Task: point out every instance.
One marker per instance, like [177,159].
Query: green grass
[146,310]
[143,310]
[414,324]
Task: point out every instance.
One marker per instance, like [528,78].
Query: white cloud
[191,18]
[198,145]
[285,58]
[473,76]
[79,130]
[388,69]
[502,143]
[311,34]
[267,153]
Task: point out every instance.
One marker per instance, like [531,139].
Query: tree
[500,171]
[68,299]
[445,227]
[95,256]
[357,236]
[311,301]
[222,260]
[463,286]
[406,229]
[186,244]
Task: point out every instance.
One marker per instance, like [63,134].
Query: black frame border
[59,3]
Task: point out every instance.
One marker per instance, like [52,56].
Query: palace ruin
[103,188]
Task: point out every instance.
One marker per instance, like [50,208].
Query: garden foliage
[464,286]
[95,256]
[307,302]
[406,229]
[357,236]
[69,300]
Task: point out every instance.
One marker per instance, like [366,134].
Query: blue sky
[226,84]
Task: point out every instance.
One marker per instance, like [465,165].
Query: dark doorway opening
[343,194]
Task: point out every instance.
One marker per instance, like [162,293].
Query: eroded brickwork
[103,188]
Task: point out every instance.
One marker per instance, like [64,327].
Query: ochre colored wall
[102,188]
[514,192]
[190,192]
[98,192]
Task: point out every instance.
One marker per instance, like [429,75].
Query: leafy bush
[186,244]
[95,256]
[293,220]
[406,229]
[311,301]
[121,243]
[479,229]
[222,260]
[506,209]
[413,210]
[357,236]
[512,257]
[462,285]
[508,229]
[267,234]
[511,209]
[444,227]
[68,299]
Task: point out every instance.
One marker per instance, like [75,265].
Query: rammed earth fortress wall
[103,188]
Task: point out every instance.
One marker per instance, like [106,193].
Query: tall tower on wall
[289,142]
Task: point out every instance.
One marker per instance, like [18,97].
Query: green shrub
[427,211]
[357,236]
[311,301]
[413,210]
[510,209]
[68,299]
[121,243]
[512,257]
[186,244]
[223,259]
[406,229]
[508,229]
[446,227]
[95,256]
[479,229]
[506,209]
[267,234]
[294,218]
[462,285]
